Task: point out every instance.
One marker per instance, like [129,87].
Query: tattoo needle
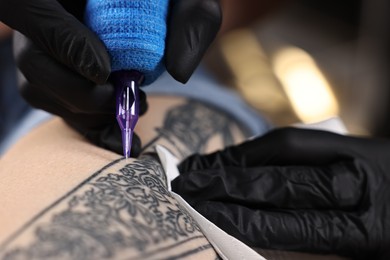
[127,83]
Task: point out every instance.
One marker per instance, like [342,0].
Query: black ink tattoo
[125,212]
[192,125]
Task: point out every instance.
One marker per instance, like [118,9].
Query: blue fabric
[12,107]
[17,118]
[133,31]
[32,119]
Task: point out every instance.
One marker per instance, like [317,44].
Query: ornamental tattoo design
[192,125]
[124,211]
[119,213]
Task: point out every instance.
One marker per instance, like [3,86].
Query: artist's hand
[295,189]
[66,67]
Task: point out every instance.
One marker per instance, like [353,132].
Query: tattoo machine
[134,33]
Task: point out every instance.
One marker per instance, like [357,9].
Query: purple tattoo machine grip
[134,33]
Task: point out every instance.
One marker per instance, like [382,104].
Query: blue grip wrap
[133,31]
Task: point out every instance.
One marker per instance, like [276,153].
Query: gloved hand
[66,67]
[295,189]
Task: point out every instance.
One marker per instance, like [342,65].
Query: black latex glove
[295,189]
[66,67]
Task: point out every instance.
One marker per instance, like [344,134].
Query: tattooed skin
[125,211]
[122,212]
[188,127]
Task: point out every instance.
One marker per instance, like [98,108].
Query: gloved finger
[52,78]
[285,146]
[192,26]
[337,186]
[59,34]
[293,146]
[50,104]
[293,230]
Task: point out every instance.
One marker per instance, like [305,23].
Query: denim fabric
[12,107]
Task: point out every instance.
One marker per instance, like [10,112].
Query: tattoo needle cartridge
[127,83]
[134,34]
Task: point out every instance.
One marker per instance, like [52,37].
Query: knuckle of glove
[287,137]
[77,51]
[192,163]
[210,9]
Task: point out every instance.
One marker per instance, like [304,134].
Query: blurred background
[292,60]
[307,60]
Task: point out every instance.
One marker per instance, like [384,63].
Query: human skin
[55,185]
[45,179]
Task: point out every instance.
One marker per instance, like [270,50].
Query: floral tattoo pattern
[124,213]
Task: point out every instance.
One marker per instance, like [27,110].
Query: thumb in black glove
[65,66]
[296,189]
